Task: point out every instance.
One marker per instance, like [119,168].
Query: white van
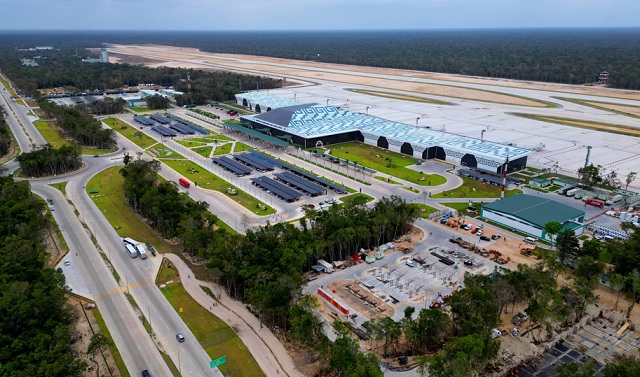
[410,263]
[530,240]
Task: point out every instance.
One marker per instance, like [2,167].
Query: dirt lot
[84,327]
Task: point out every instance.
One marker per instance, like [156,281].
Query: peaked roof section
[265,100]
[534,209]
[280,116]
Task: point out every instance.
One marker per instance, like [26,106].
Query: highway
[136,347]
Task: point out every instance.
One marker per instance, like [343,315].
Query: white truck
[572,192]
[136,247]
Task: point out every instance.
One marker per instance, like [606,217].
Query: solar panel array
[316,179]
[144,121]
[276,188]
[192,126]
[160,119]
[301,183]
[232,166]
[77,99]
[90,99]
[249,160]
[164,131]
[181,128]
[310,177]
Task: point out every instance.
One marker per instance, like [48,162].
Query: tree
[575,370]
[617,283]
[157,102]
[590,175]
[552,229]
[634,281]
[625,367]
[568,245]
[96,346]
[630,178]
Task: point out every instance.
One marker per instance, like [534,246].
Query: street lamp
[327,101]
[367,110]
[417,119]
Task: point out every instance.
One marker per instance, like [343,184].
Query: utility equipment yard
[389,285]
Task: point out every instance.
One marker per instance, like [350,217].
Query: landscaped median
[129,132]
[215,336]
[475,189]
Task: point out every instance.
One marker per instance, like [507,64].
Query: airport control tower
[104,55]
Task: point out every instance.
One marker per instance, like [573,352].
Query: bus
[184,183]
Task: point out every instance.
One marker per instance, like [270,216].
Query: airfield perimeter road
[551,142]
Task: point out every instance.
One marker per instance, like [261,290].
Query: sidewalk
[267,350]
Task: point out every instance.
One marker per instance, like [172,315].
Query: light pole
[417,119]
[327,101]
[367,110]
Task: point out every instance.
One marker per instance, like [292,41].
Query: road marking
[124,289]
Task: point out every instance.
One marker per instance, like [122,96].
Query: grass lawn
[383,179]
[203,151]
[110,200]
[60,186]
[50,134]
[605,256]
[215,336]
[208,180]
[222,149]
[366,155]
[139,109]
[129,132]
[190,143]
[475,189]
[241,147]
[112,347]
[211,138]
[425,210]
[349,198]
[52,137]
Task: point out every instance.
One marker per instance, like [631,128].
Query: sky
[313,14]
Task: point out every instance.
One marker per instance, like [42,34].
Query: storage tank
[622,215]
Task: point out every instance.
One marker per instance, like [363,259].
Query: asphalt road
[24,131]
[136,347]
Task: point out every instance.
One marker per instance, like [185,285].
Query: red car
[474,231]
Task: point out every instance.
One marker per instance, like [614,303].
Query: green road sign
[219,361]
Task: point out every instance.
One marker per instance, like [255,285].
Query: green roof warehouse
[529,214]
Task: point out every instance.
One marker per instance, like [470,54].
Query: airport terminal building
[310,125]
[529,214]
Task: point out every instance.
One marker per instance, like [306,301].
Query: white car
[480,232]
[67,262]
[480,226]
[495,333]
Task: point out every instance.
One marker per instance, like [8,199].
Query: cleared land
[399,96]
[596,126]
[215,336]
[168,54]
[475,189]
[384,161]
[126,130]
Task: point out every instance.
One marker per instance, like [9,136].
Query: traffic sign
[219,361]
